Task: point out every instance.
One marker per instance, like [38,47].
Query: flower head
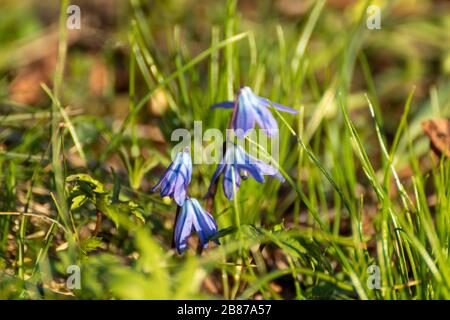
[192,215]
[175,180]
[237,161]
[251,108]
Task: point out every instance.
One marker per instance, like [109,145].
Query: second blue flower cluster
[248,109]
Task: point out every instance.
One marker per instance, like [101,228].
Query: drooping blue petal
[193,216]
[237,155]
[244,117]
[267,170]
[204,224]
[254,171]
[179,194]
[158,184]
[176,179]
[266,121]
[216,175]
[223,105]
[251,108]
[264,168]
[183,179]
[244,162]
[260,106]
[163,178]
[183,226]
[265,102]
[227,182]
[237,160]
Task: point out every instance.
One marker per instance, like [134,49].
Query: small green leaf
[110,210]
[96,185]
[278,227]
[134,209]
[78,201]
[90,244]
[138,215]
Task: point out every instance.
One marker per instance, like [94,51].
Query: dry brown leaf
[292,8]
[98,78]
[25,88]
[210,284]
[438,130]
[340,4]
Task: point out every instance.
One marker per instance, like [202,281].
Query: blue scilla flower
[250,108]
[193,216]
[175,180]
[238,161]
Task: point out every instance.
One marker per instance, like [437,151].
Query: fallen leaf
[210,285]
[292,8]
[340,4]
[25,87]
[98,78]
[438,130]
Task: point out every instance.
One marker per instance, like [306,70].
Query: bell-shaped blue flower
[237,161]
[193,216]
[251,108]
[175,180]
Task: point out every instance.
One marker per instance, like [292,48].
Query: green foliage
[90,244]
[83,188]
